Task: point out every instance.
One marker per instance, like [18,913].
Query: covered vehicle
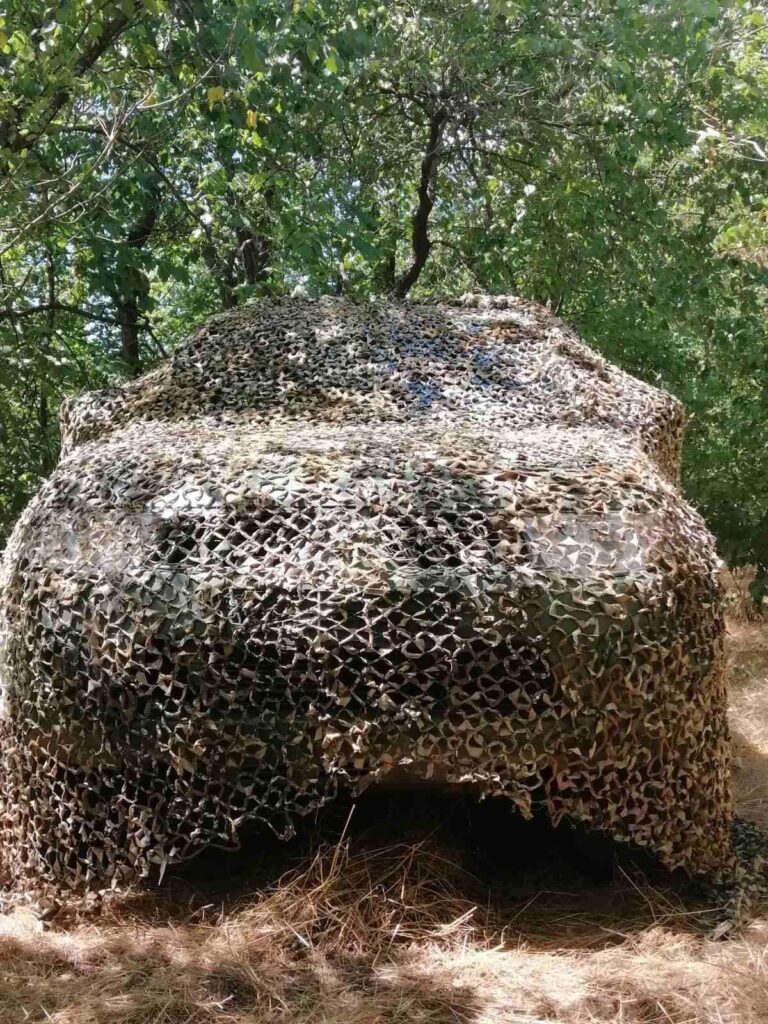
[332,542]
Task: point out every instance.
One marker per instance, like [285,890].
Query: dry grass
[367,931]
[387,936]
[748,691]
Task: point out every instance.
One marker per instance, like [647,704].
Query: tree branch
[62,307]
[10,127]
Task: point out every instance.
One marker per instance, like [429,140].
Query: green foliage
[161,160]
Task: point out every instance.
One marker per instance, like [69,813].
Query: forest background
[163,159]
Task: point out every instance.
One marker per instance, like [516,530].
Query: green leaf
[253,54]
[215,95]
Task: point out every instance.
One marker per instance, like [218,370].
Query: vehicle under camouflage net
[330,543]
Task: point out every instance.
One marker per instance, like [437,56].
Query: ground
[408,921]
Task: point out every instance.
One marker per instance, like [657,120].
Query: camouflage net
[331,542]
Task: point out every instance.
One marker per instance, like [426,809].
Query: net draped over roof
[329,542]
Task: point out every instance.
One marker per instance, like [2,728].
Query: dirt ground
[406,921]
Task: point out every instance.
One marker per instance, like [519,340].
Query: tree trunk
[132,290]
[420,242]
[385,273]
[253,250]
[128,318]
[254,245]
[43,410]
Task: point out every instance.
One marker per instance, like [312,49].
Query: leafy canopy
[161,159]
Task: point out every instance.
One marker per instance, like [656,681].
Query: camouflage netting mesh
[331,541]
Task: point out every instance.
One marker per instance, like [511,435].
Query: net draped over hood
[332,542]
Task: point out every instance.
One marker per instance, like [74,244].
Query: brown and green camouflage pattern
[330,543]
